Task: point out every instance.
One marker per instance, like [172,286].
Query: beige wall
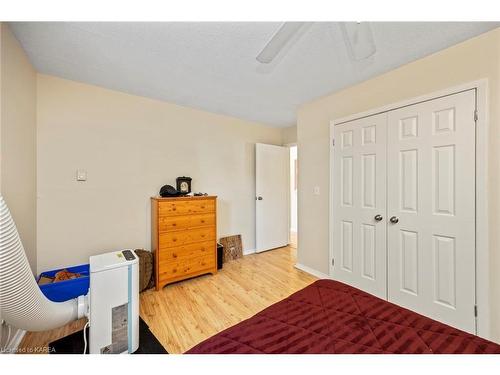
[289,135]
[18,139]
[130,147]
[471,60]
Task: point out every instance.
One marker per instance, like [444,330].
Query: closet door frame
[482,222]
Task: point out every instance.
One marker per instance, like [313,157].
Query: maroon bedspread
[331,317]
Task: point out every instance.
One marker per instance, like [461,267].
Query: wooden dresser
[184,237]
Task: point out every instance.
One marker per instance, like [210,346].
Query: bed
[331,317]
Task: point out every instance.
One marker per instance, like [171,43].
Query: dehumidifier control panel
[128,255]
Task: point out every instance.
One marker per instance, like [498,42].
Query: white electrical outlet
[316,190]
[81,175]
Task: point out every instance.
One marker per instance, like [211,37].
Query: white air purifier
[114,303]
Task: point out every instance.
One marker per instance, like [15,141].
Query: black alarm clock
[184,185]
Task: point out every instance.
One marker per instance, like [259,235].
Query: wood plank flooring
[183,314]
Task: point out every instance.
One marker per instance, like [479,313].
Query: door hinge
[475,115]
[333,142]
[333,262]
[475,311]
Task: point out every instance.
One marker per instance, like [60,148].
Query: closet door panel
[359,195]
[431,195]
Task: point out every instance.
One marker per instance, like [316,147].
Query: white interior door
[431,197]
[271,187]
[359,204]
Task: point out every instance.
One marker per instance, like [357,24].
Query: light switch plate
[81,175]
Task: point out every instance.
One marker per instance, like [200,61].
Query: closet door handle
[394,220]
[378,217]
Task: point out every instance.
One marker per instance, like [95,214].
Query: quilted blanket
[331,317]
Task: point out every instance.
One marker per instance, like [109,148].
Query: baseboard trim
[249,251]
[312,271]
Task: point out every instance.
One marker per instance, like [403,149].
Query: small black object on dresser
[168,191]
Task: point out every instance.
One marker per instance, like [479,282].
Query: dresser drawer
[170,208]
[184,268]
[184,237]
[169,223]
[194,250]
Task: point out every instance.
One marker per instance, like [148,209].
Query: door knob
[259,198]
[378,217]
[394,219]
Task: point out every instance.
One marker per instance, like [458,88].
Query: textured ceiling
[212,66]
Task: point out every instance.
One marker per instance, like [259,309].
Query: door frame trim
[288,146]
[482,223]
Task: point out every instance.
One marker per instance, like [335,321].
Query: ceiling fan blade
[358,38]
[279,40]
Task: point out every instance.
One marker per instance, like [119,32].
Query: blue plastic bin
[67,289]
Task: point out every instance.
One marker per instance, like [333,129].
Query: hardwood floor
[183,314]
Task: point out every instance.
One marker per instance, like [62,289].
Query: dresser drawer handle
[174,255]
[174,224]
[202,221]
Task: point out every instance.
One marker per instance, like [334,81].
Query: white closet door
[431,195]
[359,204]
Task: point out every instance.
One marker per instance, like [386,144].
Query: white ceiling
[212,66]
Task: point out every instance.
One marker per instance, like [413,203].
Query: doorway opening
[293,195]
